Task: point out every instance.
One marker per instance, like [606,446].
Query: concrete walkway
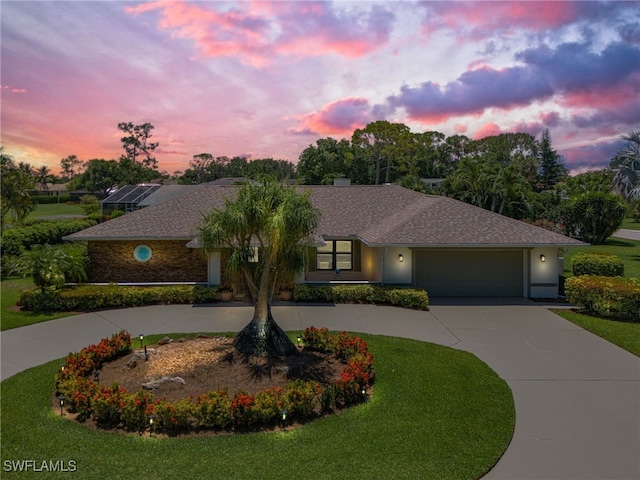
[628,234]
[577,396]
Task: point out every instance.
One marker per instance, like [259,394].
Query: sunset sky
[267,79]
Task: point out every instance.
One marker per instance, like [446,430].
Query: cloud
[472,93]
[591,156]
[257,31]
[551,119]
[339,117]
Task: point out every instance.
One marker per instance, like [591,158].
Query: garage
[470,273]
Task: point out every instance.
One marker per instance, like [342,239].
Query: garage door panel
[454,273]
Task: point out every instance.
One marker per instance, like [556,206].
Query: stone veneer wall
[171,261]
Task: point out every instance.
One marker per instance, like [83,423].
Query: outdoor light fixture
[400,258]
[363,390]
[61,398]
[141,337]
[283,417]
[543,258]
[96,375]
[151,419]
[299,340]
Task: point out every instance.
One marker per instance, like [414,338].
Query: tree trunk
[264,338]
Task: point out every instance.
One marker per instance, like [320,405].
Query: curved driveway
[577,396]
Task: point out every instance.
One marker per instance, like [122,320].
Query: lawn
[628,250]
[49,209]
[10,316]
[623,334]
[630,224]
[435,413]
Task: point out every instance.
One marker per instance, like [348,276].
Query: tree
[70,166]
[137,143]
[626,166]
[551,170]
[100,176]
[15,199]
[43,177]
[278,221]
[328,159]
[382,142]
[594,216]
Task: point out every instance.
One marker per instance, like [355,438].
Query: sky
[267,79]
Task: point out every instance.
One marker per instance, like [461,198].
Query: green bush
[14,240]
[86,298]
[42,199]
[372,294]
[213,410]
[595,263]
[611,297]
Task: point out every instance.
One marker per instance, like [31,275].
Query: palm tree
[279,222]
[626,165]
[43,177]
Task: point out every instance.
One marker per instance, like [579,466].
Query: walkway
[577,396]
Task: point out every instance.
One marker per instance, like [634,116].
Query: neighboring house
[381,234]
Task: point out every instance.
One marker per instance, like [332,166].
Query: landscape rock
[153,384]
[165,341]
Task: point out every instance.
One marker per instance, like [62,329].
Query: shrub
[404,297]
[300,398]
[613,297]
[107,405]
[137,407]
[242,409]
[594,216]
[268,405]
[14,240]
[602,264]
[42,199]
[87,298]
[213,410]
[173,418]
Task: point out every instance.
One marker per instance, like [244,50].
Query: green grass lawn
[435,413]
[628,250]
[49,209]
[629,224]
[10,316]
[623,334]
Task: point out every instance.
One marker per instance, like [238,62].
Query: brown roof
[375,214]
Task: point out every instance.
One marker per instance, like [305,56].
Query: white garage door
[470,273]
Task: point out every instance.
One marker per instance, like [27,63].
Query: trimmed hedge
[85,298]
[597,263]
[14,240]
[48,199]
[612,297]
[113,406]
[416,299]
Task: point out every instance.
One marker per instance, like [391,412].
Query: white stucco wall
[545,275]
[395,271]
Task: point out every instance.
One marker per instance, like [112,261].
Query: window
[336,254]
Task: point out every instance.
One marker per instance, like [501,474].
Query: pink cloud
[487,130]
[339,117]
[256,31]
[459,128]
[551,119]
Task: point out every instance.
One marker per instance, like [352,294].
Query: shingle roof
[377,215]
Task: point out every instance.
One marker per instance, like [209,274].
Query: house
[381,234]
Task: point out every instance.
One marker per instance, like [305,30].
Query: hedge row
[601,264]
[86,298]
[14,240]
[404,297]
[113,406]
[42,199]
[612,297]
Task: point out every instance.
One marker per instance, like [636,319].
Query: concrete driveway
[577,396]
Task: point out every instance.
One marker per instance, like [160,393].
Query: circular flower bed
[114,407]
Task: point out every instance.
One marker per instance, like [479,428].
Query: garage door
[464,273]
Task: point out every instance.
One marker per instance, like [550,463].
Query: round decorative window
[142,253]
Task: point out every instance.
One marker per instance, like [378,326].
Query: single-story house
[382,234]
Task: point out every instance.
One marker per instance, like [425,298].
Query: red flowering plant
[173,418]
[242,409]
[107,405]
[300,398]
[268,405]
[136,409]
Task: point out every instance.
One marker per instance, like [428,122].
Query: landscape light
[363,390]
[299,340]
[141,337]
[61,399]
[96,375]
[283,416]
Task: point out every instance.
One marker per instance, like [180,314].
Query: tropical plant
[594,216]
[278,221]
[626,165]
[52,266]
[14,192]
[43,177]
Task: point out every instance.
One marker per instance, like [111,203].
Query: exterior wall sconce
[400,258]
[543,258]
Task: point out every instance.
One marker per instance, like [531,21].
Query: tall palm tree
[279,222]
[626,166]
